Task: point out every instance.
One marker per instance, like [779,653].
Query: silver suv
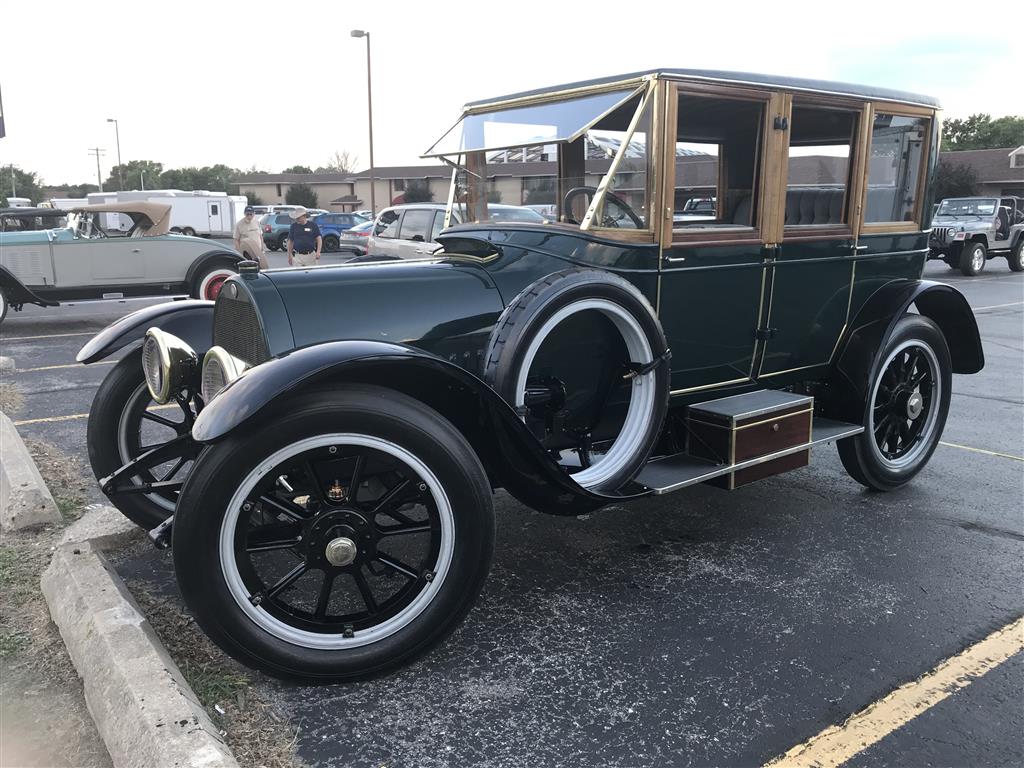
[966,231]
[410,231]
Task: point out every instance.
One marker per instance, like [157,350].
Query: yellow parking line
[982,450]
[73,416]
[66,365]
[839,743]
[48,336]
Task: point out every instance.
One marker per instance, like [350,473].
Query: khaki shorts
[304,259]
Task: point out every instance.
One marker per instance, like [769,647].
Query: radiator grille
[941,234]
[236,328]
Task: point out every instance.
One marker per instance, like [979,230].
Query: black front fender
[190,320]
[867,334]
[17,293]
[514,459]
[208,259]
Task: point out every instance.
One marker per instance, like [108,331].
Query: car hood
[443,306]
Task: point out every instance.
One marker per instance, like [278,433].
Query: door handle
[136,250]
[859,248]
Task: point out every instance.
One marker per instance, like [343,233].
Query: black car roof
[744,78]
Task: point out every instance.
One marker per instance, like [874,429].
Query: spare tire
[582,358]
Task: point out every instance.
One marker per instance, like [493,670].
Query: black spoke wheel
[344,535]
[124,425]
[906,407]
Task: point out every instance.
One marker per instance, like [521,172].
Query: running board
[670,473]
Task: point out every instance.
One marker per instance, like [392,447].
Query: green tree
[540,191]
[215,178]
[132,173]
[494,195]
[72,190]
[298,169]
[24,184]
[980,131]
[301,194]
[253,199]
[954,179]
[418,192]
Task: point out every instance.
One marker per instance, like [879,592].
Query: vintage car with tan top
[339,431]
[84,261]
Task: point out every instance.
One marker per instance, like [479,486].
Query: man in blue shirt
[304,240]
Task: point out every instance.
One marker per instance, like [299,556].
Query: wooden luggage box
[741,428]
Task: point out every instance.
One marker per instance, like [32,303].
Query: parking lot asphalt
[700,628]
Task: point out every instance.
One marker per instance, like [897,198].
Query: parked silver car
[410,231]
[86,261]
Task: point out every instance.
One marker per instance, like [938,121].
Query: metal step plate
[670,473]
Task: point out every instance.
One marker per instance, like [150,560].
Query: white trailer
[198,212]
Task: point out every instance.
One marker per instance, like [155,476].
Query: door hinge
[781,123]
[763,334]
[770,252]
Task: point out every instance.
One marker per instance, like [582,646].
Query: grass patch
[12,643]
[63,475]
[10,398]
[251,728]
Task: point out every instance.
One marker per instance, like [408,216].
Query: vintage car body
[616,353]
[81,261]
[968,230]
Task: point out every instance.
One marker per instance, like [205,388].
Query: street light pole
[369,112]
[142,180]
[120,174]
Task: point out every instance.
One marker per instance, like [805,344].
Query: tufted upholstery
[814,206]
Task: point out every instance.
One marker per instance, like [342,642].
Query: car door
[384,239]
[712,270]
[99,261]
[414,234]
[809,280]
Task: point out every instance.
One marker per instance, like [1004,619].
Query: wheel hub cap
[341,551]
[915,404]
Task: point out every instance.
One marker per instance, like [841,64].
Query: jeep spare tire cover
[565,348]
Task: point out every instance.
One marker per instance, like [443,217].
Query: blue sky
[270,85]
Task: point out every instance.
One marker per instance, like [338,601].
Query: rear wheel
[188,231]
[342,536]
[972,258]
[330,243]
[3,305]
[1016,257]
[906,407]
[282,242]
[208,283]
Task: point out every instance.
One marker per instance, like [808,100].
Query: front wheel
[3,305]
[972,259]
[905,410]
[331,243]
[343,536]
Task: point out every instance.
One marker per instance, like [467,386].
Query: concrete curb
[25,501]
[144,710]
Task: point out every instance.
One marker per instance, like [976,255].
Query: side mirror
[416,238]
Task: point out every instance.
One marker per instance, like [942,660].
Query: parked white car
[83,261]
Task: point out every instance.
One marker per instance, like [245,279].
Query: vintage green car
[83,260]
[332,436]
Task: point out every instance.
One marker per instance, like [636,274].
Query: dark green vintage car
[328,439]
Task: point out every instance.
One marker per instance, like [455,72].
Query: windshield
[553,122]
[968,206]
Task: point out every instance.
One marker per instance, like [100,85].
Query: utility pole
[99,178]
[120,173]
[14,184]
[369,115]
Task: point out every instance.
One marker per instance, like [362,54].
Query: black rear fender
[191,321]
[513,457]
[867,334]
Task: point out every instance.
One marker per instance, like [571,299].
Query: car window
[894,168]
[438,226]
[387,225]
[286,219]
[416,224]
[717,146]
[818,172]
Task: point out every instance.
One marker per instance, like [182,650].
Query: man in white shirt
[249,238]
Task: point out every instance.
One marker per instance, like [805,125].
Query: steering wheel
[607,219]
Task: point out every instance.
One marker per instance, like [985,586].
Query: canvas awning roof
[156,216]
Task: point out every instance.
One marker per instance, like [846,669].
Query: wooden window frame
[854,172]
[898,110]
[761,231]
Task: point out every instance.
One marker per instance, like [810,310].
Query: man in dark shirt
[304,240]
